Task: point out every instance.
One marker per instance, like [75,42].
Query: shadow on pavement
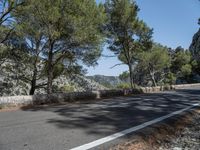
[116,114]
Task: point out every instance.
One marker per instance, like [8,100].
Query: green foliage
[7,7]
[127,34]
[124,86]
[170,78]
[182,63]
[124,76]
[57,71]
[167,87]
[155,59]
[195,67]
[179,59]
[155,62]
[6,28]
[4,52]
[186,70]
[62,32]
[72,24]
[67,88]
[107,85]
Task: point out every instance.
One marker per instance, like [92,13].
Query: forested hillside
[107,81]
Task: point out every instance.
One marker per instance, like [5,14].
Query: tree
[6,8]
[127,35]
[30,32]
[27,43]
[6,26]
[170,78]
[71,32]
[124,76]
[156,61]
[181,63]
[186,70]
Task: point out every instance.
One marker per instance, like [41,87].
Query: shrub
[170,78]
[167,87]
[124,86]
[67,88]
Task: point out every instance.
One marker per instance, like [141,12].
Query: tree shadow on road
[113,115]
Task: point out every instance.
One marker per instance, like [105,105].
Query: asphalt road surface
[68,126]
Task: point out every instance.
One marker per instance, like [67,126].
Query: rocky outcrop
[11,87]
[195,46]
[79,83]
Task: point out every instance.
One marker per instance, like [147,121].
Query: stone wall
[81,96]
[166,88]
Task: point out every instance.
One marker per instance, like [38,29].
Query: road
[68,126]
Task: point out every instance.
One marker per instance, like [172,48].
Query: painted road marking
[130,130]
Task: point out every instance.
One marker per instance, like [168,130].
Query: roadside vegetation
[43,41]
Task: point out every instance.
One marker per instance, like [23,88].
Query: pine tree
[128,35]
[66,31]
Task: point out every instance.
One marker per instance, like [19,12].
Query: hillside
[10,86]
[107,81]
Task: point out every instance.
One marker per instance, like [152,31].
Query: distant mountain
[107,81]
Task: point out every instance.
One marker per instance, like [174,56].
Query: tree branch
[7,35]
[108,56]
[40,85]
[117,65]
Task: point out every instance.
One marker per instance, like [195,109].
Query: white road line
[130,130]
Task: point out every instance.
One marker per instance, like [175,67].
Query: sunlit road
[68,126]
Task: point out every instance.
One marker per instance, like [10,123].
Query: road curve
[68,126]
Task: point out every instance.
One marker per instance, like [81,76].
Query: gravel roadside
[187,139]
[180,133]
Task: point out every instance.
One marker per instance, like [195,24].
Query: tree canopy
[155,61]
[60,31]
[128,35]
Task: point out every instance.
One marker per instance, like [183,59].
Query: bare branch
[117,65]
[107,56]
[40,85]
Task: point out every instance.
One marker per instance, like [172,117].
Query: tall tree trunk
[153,78]
[33,81]
[131,76]
[152,74]
[50,72]
[35,71]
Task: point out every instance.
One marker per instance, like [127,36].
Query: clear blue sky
[174,23]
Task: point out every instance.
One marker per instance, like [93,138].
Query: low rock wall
[81,96]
